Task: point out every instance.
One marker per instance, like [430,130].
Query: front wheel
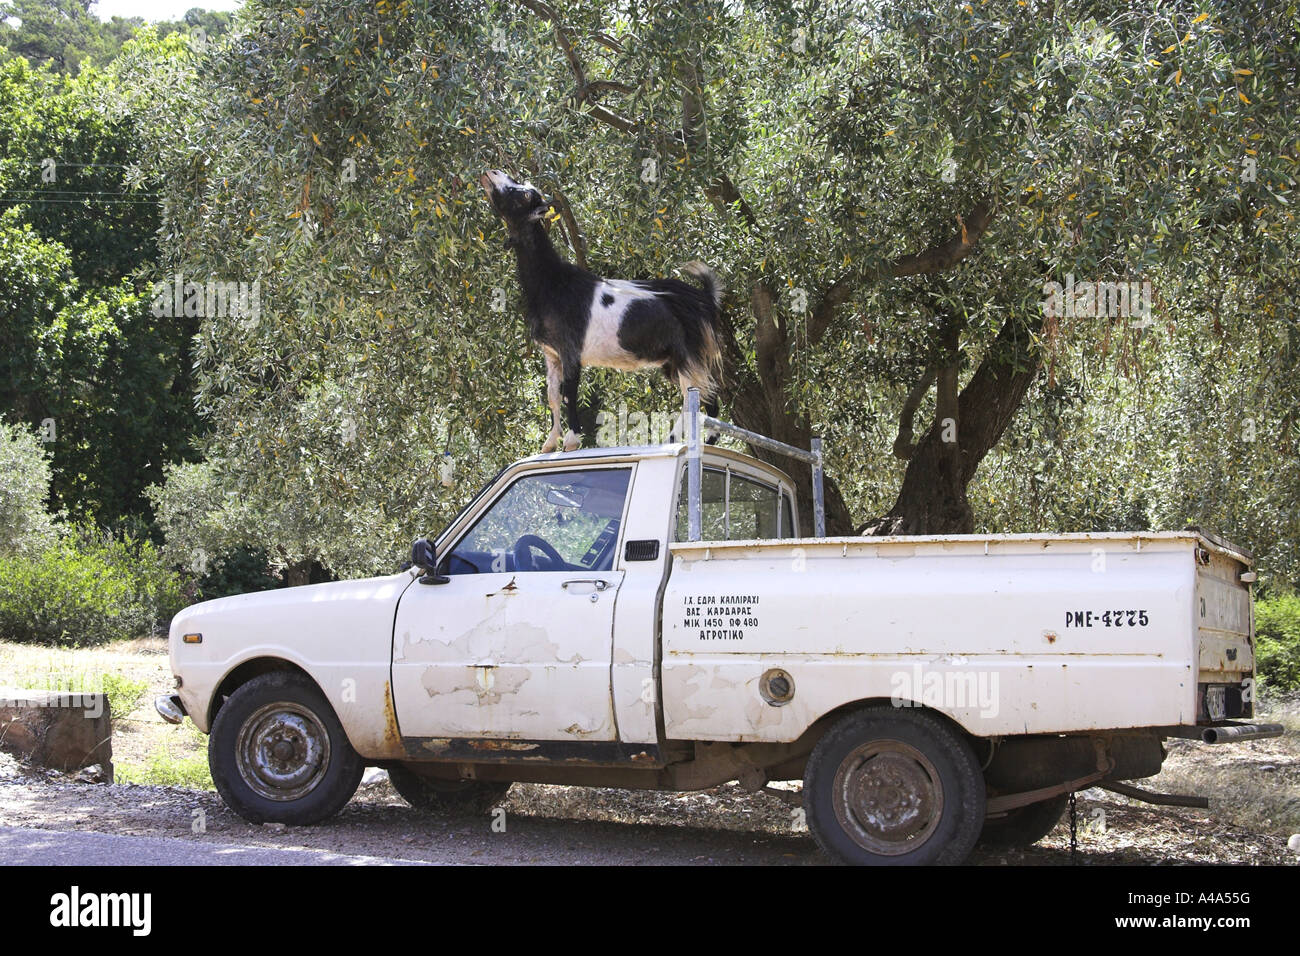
[890,786]
[278,753]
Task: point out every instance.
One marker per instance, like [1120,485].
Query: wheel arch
[245,671]
[828,719]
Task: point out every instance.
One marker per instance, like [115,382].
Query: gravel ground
[1254,790]
[566,825]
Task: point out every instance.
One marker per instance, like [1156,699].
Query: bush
[238,571]
[25,526]
[86,589]
[1277,642]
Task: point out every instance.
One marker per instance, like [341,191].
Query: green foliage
[87,589]
[66,158]
[79,342]
[99,366]
[25,526]
[182,763]
[124,693]
[335,160]
[1277,642]
[66,36]
[240,570]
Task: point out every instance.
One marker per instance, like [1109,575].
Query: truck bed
[1007,634]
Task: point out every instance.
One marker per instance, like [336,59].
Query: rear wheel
[889,787]
[1024,826]
[278,753]
[442,795]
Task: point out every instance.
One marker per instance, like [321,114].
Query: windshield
[552,521]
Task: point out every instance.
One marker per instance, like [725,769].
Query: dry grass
[146,749]
[1255,784]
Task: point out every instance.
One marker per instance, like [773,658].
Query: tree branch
[577,240]
[545,11]
[904,447]
[947,254]
[937,258]
[723,193]
[585,91]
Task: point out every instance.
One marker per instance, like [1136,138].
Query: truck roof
[668,450]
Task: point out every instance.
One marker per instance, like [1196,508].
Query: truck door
[519,644]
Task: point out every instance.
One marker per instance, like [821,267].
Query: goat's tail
[707,278]
[708,367]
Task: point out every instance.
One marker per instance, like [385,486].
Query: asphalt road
[20,846]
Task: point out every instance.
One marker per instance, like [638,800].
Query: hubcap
[888,797]
[282,751]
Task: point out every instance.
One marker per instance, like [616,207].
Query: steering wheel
[524,560]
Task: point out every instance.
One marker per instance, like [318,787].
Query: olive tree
[890,190]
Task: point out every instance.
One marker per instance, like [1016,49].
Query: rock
[57,729]
[96,774]
[374,776]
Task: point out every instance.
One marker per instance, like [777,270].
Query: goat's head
[516,203]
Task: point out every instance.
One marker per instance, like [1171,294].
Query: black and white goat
[581,319]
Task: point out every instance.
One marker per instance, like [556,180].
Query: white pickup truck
[928,691]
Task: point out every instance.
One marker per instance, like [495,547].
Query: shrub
[238,571]
[86,589]
[1277,642]
[25,526]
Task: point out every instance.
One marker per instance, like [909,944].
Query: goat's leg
[573,438]
[554,379]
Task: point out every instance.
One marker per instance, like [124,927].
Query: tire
[311,775]
[890,786]
[1024,826]
[433,795]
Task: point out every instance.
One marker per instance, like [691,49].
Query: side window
[753,510]
[743,509]
[713,506]
[555,521]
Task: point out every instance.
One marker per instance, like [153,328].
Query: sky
[154,10]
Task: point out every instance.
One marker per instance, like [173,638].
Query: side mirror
[425,559]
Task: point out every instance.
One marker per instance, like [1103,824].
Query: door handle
[597,583]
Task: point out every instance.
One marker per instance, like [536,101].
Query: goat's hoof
[572,441]
[550,445]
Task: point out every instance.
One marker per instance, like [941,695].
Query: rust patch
[1050,636]
[500,745]
[392,742]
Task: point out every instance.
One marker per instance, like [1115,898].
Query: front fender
[340,634]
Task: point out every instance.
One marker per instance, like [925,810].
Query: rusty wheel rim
[282,751]
[888,797]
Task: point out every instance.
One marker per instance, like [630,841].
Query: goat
[581,319]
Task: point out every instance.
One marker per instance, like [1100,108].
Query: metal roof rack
[694,422]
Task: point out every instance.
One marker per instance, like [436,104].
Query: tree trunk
[932,499]
[757,401]
[307,571]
